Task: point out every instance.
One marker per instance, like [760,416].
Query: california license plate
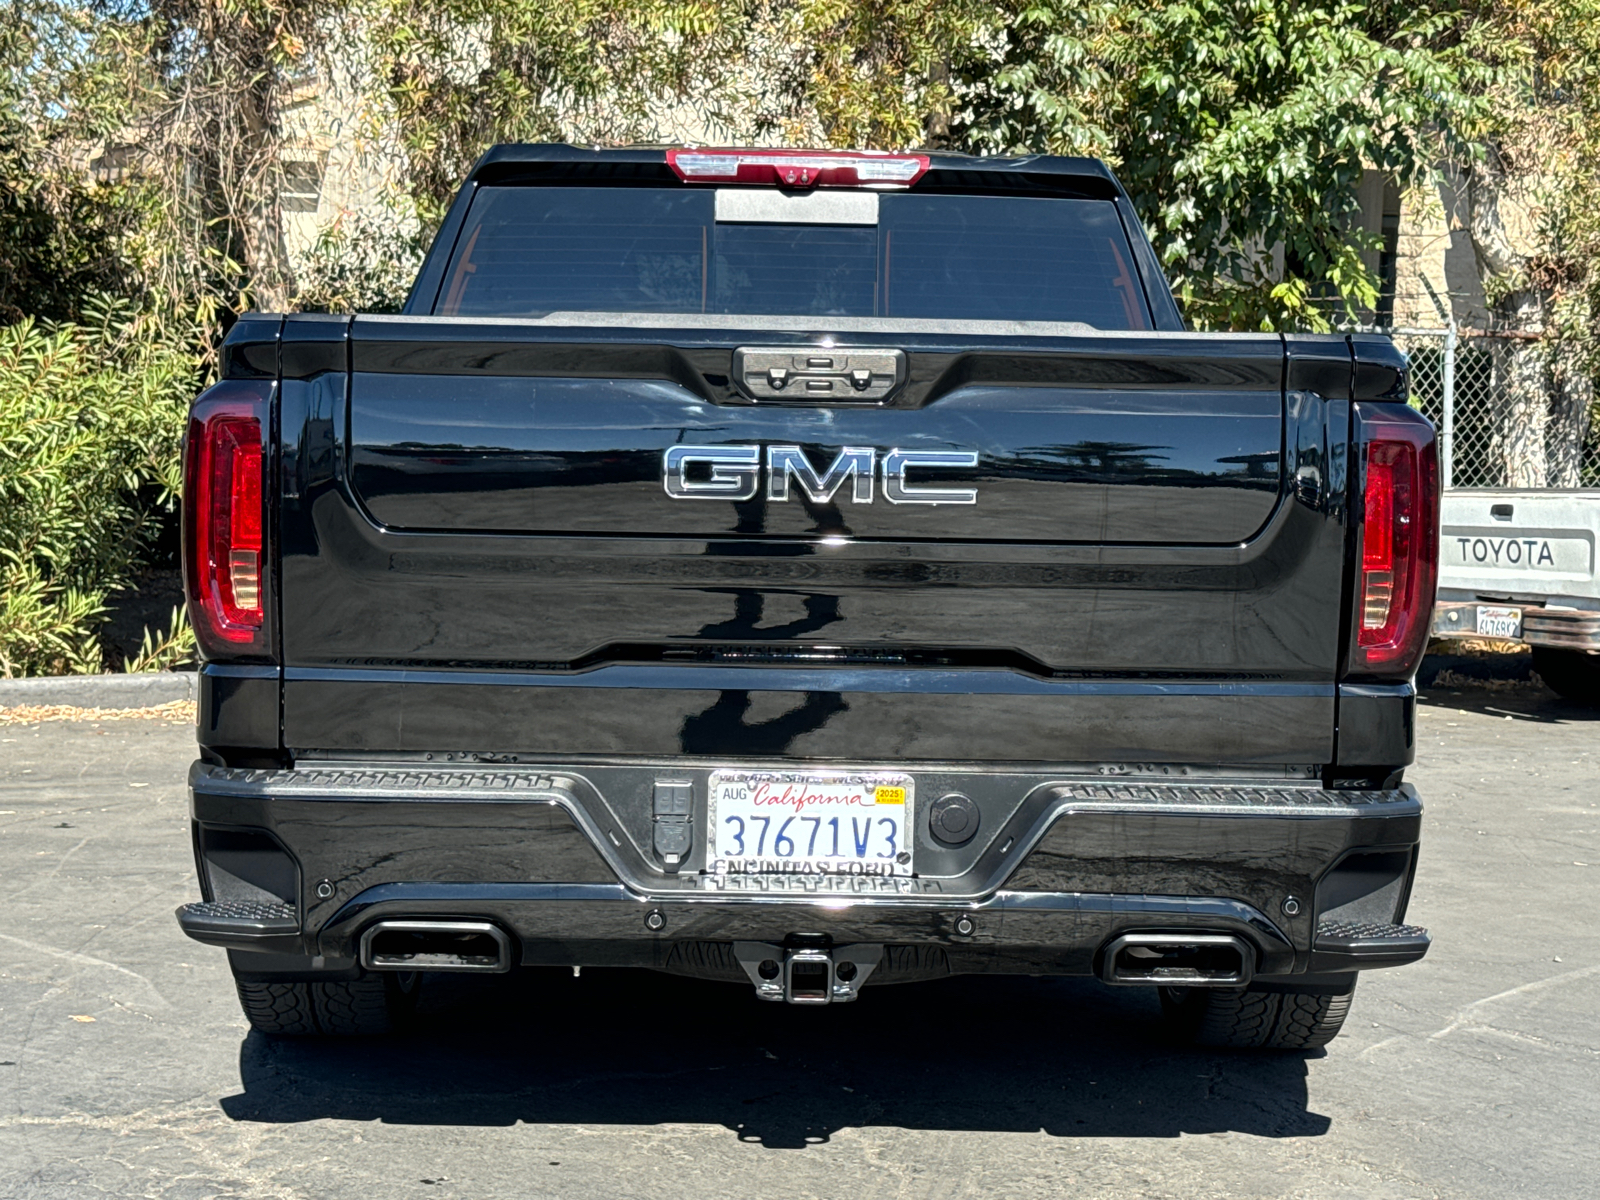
[1500,622]
[810,822]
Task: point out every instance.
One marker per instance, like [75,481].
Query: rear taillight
[1399,544]
[224,510]
[799,168]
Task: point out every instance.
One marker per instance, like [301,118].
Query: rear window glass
[527,251]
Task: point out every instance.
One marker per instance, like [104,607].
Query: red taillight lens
[1390,468]
[1399,561]
[225,519]
[799,168]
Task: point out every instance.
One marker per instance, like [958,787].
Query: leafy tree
[462,75]
[881,72]
[90,420]
[93,389]
[1241,129]
[1534,224]
[1240,126]
[177,103]
[210,81]
[62,235]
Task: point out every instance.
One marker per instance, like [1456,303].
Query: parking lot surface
[126,1068]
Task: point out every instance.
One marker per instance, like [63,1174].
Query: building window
[1388,256]
[302,185]
[114,164]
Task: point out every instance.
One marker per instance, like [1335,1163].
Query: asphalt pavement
[126,1068]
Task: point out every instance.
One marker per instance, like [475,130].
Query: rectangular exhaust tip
[1178,960]
[436,946]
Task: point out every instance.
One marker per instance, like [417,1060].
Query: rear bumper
[1566,628]
[560,859]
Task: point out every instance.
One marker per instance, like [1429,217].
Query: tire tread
[343,1008]
[1245,1019]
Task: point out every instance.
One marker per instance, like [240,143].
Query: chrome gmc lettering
[734,473]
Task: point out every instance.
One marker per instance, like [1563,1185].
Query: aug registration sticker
[810,823]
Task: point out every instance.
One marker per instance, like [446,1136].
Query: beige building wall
[1436,274]
[337,159]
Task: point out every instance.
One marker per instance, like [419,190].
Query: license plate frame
[792,799]
[1499,621]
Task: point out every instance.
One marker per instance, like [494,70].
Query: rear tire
[371,1004]
[1574,674]
[1245,1019]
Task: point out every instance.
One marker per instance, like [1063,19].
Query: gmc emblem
[734,473]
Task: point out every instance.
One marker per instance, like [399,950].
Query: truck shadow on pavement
[1069,1057]
[1530,703]
[1496,685]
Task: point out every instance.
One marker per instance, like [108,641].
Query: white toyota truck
[1519,565]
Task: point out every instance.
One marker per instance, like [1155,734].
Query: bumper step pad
[241,924]
[1350,932]
[1366,944]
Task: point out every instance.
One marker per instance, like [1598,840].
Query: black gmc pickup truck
[810,570]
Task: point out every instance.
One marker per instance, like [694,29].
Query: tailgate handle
[781,375]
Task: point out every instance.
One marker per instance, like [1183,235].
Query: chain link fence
[1461,382]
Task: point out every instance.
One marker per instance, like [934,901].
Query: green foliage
[1241,128]
[360,264]
[1535,65]
[61,233]
[464,74]
[880,70]
[91,418]
[56,249]
[164,651]
[1257,119]
[1043,83]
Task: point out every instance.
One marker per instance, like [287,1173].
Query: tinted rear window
[527,251]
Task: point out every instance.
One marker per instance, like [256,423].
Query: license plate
[1500,622]
[810,822]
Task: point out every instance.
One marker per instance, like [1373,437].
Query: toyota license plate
[1500,622]
[810,822]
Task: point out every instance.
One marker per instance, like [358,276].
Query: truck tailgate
[481,557]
